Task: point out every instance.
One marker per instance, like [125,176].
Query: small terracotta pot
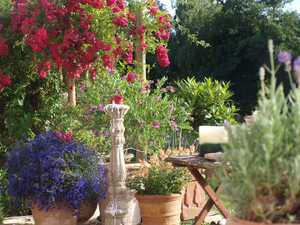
[160,209]
[55,216]
[236,221]
[87,210]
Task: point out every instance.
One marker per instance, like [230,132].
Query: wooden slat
[210,192]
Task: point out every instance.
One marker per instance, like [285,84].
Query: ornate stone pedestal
[120,198]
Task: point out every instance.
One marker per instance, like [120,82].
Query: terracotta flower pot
[160,209]
[236,221]
[87,210]
[54,216]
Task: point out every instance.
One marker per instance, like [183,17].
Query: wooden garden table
[193,164]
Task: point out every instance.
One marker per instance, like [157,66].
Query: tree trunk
[140,53]
[71,92]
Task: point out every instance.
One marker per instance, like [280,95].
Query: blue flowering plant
[53,169]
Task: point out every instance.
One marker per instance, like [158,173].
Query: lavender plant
[53,168]
[263,184]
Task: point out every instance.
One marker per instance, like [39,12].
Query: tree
[237,32]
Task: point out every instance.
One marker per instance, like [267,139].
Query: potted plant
[57,176]
[262,181]
[159,194]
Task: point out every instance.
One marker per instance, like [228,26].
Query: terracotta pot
[193,200]
[236,221]
[87,210]
[54,216]
[160,209]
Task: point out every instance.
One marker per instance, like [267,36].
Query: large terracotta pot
[60,215]
[236,221]
[160,209]
[87,210]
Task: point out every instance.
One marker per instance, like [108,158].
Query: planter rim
[247,222]
[170,196]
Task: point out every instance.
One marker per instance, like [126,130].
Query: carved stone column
[120,197]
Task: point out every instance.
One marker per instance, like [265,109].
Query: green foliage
[263,183]
[236,31]
[209,100]
[146,107]
[159,182]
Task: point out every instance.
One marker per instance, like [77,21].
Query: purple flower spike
[284,57]
[296,64]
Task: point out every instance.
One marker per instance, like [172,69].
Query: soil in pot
[160,209]
[59,215]
[236,221]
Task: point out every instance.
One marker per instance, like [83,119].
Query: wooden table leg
[199,220]
[211,194]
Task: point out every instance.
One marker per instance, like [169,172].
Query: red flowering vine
[162,56]
[5,81]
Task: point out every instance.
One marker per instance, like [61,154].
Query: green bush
[263,183]
[209,100]
[153,119]
[160,182]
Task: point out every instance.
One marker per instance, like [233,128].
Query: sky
[295,5]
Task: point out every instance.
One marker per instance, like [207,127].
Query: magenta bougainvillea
[61,35]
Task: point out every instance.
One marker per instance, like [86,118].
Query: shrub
[53,168]
[154,115]
[209,100]
[263,183]
[159,182]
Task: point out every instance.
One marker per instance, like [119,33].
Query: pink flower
[44,69]
[27,25]
[39,41]
[117,99]
[116,9]
[110,2]
[121,4]
[4,50]
[163,34]
[107,62]
[5,80]
[102,45]
[93,73]
[43,74]
[153,10]
[97,4]
[128,57]
[131,77]
[156,124]
[162,56]
[140,30]
[65,136]
[120,21]
[131,17]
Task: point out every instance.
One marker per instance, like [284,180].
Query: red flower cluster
[61,34]
[163,34]
[5,81]
[131,77]
[120,21]
[65,136]
[162,56]
[4,50]
[38,41]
